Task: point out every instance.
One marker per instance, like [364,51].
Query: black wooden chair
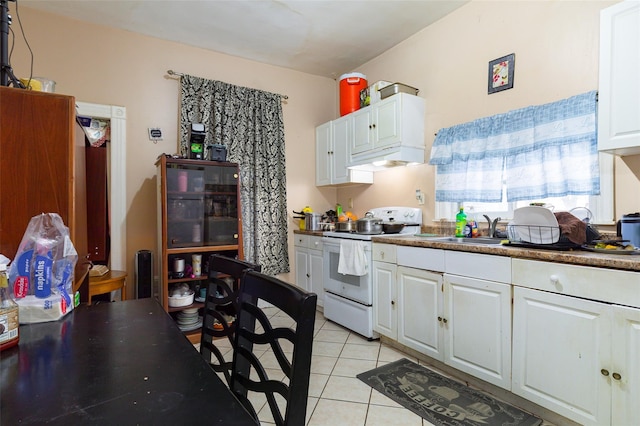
[220,305]
[248,373]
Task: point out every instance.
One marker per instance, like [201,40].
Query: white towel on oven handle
[352,260]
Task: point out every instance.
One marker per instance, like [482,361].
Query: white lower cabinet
[385,314]
[565,337]
[577,357]
[477,322]
[420,301]
[308,256]
[624,374]
[462,321]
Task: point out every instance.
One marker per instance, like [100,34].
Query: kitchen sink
[465,240]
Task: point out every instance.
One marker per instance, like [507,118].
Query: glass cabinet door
[185,206]
[221,206]
[202,205]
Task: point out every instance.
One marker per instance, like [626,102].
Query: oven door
[356,288]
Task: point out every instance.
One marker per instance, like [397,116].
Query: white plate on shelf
[193,326]
[537,225]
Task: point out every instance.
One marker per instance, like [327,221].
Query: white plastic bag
[41,276]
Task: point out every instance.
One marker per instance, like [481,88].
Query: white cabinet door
[308,260]
[324,169]
[385,314]
[386,122]
[333,153]
[362,131]
[625,371]
[619,86]
[316,275]
[302,267]
[342,135]
[560,346]
[420,301]
[478,335]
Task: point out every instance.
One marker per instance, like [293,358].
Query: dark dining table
[120,363]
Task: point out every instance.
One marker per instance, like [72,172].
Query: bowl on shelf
[177,301]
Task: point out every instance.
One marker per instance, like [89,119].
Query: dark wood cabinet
[42,168]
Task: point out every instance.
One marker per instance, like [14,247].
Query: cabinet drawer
[477,265]
[301,240]
[606,285]
[314,243]
[384,252]
[421,258]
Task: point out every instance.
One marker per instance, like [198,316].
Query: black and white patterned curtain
[249,123]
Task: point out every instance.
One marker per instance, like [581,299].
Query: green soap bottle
[461,222]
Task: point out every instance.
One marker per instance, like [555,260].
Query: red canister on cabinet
[350,86]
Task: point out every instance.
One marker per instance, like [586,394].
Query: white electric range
[348,298]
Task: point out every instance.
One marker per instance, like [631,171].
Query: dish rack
[535,234]
[544,237]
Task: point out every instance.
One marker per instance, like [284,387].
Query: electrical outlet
[419,197]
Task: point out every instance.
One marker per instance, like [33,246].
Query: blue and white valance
[538,152]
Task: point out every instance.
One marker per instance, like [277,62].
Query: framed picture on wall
[501,73]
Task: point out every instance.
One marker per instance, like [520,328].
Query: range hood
[387,158]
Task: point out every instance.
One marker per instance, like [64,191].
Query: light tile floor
[336,396]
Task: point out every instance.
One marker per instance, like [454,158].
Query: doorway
[117,115]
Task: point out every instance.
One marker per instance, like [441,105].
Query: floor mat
[440,400]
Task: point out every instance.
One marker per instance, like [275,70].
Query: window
[600,206]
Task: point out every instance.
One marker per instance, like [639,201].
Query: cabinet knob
[604,372]
[555,280]
[308,275]
[444,320]
[616,376]
[439,319]
[393,302]
[235,176]
[235,236]
[373,125]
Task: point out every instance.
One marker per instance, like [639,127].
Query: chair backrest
[248,373]
[220,309]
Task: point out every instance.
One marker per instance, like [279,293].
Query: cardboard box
[371,95]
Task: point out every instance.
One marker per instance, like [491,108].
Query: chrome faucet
[491,229]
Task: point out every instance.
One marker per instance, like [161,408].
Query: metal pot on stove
[392,227]
[346,226]
[369,225]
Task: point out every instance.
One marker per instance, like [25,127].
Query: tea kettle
[628,227]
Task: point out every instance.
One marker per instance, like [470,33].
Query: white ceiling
[321,37]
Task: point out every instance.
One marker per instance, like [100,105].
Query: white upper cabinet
[619,87]
[395,122]
[333,152]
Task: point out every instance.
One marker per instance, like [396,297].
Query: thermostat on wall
[155,134]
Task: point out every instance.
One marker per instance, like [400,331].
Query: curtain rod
[179,74]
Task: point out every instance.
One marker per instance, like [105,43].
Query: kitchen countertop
[629,262]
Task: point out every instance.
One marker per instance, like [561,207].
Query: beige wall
[556,47]
[108,66]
